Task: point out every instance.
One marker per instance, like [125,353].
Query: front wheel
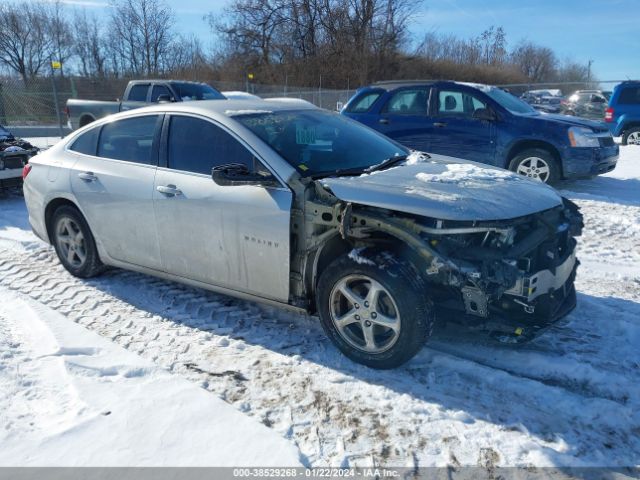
[536,164]
[374,308]
[631,136]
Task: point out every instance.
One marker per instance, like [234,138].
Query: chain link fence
[34,104]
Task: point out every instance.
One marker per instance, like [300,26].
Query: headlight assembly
[582,137]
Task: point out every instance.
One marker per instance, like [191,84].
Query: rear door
[404,117]
[113,183]
[455,130]
[234,237]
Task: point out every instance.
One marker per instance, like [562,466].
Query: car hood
[570,121]
[447,188]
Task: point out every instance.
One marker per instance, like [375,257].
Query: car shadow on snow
[568,388]
[622,191]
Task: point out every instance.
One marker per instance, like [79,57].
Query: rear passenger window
[197,146]
[138,93]
[87,142]
[458,103]
[364,102]
[410,102]
[130,139]
[157,91]
[630,96]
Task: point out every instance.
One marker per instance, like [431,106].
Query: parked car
[306,209]
[586,104]
[485,124]
[14,155]
[139,93]
[623,113]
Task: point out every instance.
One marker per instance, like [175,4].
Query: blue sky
[605,31]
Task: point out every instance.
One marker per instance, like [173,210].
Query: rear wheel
[631,136]
[537,164]
[74,243]
[374,308]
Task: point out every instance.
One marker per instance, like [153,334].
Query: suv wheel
[374,308]
[631,136]
[74,243]
[537,164]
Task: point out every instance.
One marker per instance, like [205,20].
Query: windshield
[508,101]
[196,91]
[318,142]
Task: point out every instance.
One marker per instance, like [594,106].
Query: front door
[405,118]
[234,237]
[114,189]
[456,132]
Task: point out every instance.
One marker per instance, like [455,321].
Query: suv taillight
[25,171]
[608,115]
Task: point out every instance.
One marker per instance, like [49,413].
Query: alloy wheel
[71,242]
[534,167]
[633,138]
[364,314]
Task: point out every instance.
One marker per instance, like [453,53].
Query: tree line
[338,43]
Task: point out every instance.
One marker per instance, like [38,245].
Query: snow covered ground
[570,398]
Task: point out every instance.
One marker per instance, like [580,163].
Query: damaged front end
[517,277]
[509,278]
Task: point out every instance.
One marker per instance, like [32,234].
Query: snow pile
[467,174]
[69,397]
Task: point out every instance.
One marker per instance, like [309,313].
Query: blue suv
[623,114]
[485,124]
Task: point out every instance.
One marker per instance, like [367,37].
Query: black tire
[407,291]
[523,159]
[625,136]
[85,261]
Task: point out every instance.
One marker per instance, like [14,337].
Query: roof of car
[225,107]
[395,84]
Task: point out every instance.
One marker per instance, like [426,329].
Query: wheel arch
[522,145]
[336,246]
[85,119]
[50,209]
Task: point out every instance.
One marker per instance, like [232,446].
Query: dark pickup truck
[138,93]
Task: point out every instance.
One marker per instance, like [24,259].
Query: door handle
[88,176]
[384,121]
[169,190]
[439,124]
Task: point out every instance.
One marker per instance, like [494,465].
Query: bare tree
[537,63]
[59,32]
[140,34]
[25,43]
[89,45]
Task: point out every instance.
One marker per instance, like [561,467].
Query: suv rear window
[363,103]
[630,96]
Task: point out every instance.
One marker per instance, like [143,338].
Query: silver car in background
[295,206]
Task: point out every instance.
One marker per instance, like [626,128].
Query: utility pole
[55,65]
[589,72]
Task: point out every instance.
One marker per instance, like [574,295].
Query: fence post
[55,100]
[3,117]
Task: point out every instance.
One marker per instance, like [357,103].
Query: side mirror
[165,98]
[238,174]
[485,114]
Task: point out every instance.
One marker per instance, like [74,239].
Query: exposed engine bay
[511,278]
